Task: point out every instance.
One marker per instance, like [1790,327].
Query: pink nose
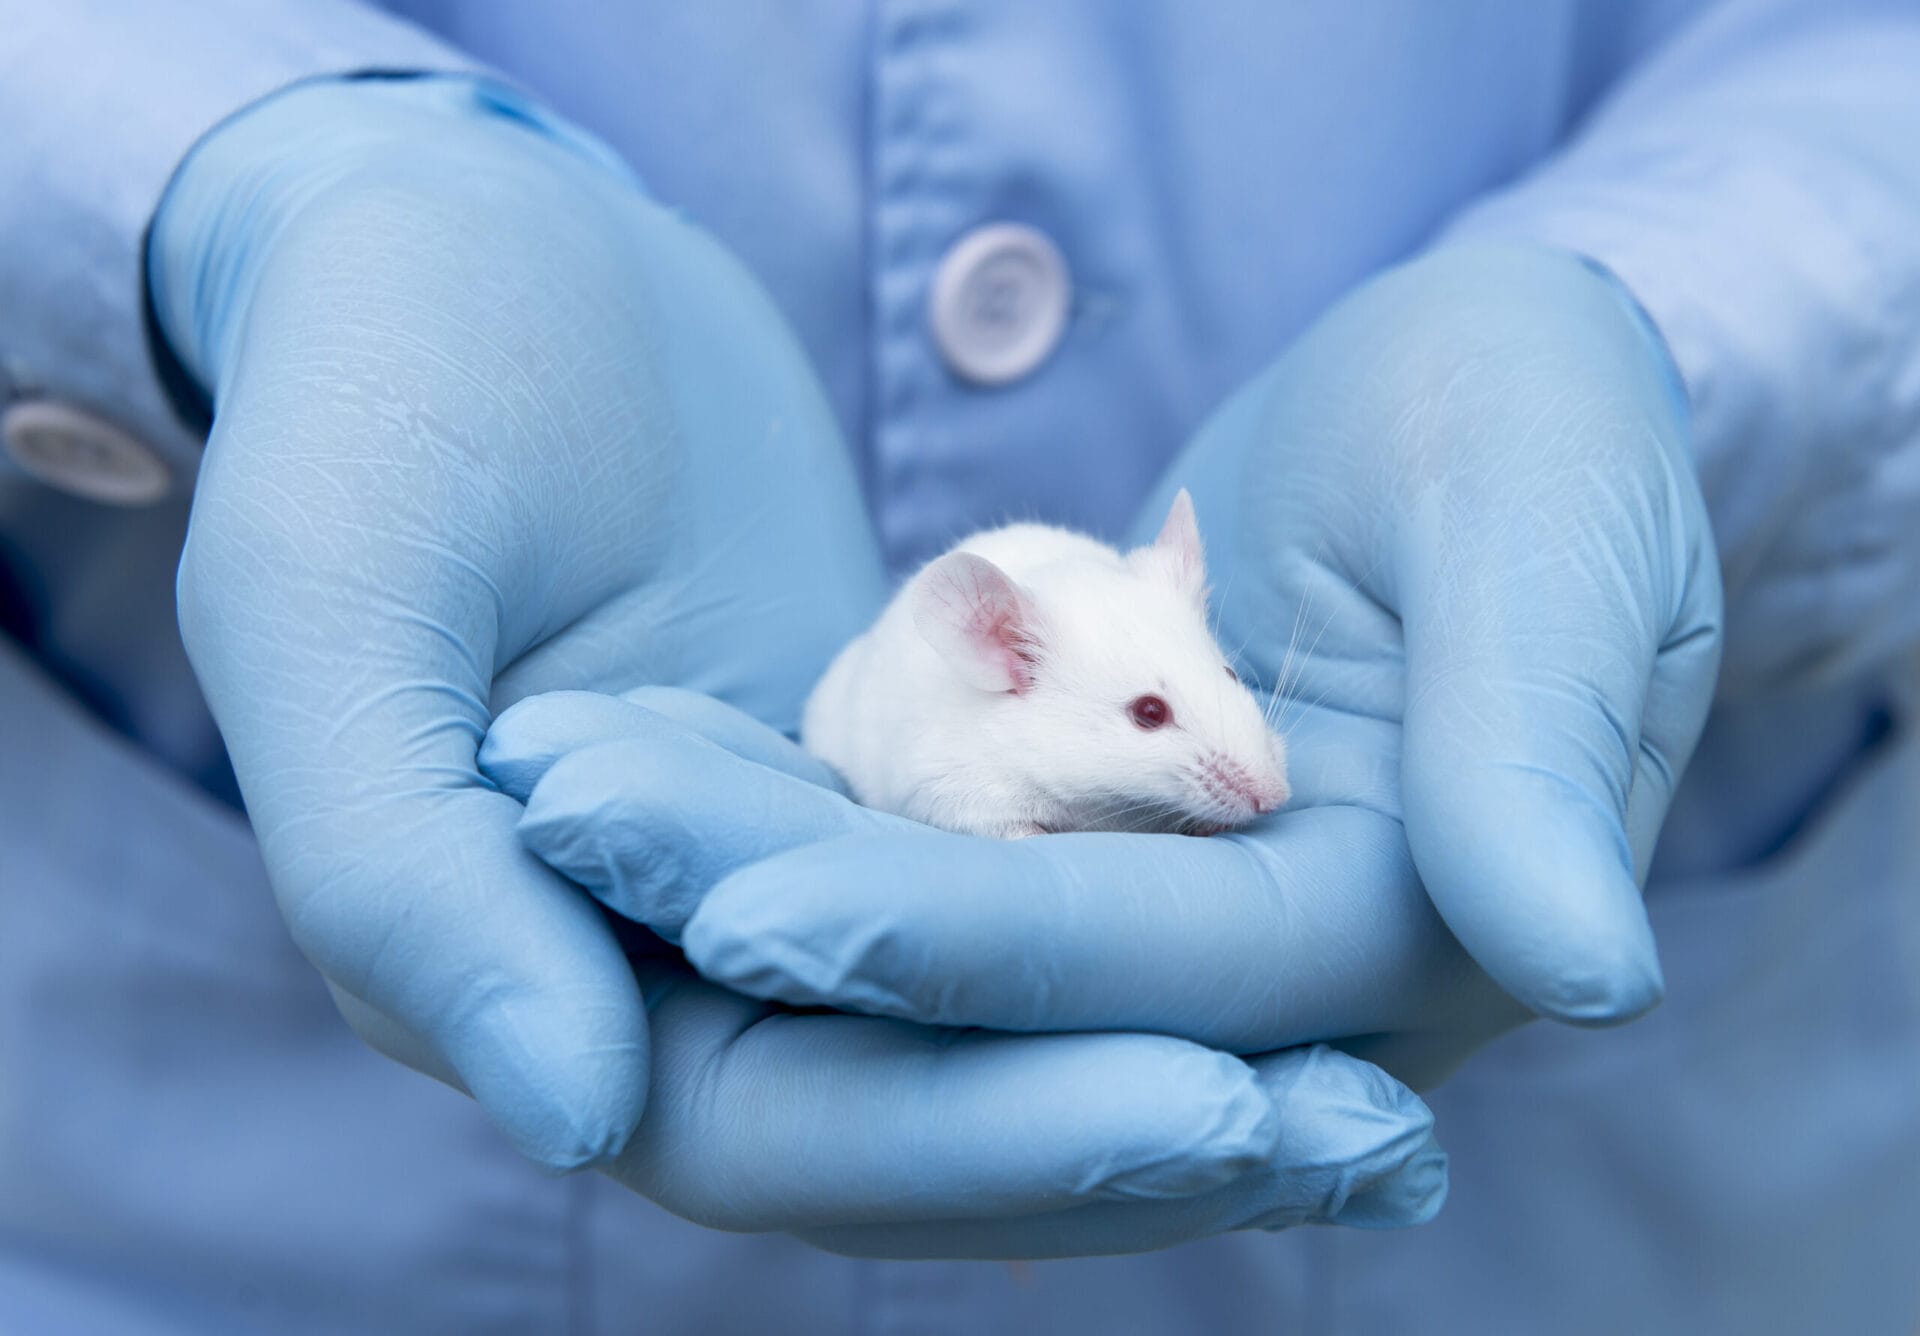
[1230,781]
[1269,795]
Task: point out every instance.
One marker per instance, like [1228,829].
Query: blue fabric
[1743,1158]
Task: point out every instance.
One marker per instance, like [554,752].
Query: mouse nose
[1257,791]
[1270,796]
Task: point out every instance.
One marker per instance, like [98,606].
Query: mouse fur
[1007,691]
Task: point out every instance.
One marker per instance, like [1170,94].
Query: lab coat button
[999,304]
[81,453]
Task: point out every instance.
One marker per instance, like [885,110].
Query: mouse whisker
[1293,643]
[1313,704]
[1148,809]
[1291,697]
[1121,805]
[1360,585]
[1306,657]
[1295,664]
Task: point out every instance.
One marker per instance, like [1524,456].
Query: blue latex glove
[488,423]
[1458,520]
[897,1140]
[455,459]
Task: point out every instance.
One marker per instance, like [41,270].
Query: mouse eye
[1149,712]
[1232,676]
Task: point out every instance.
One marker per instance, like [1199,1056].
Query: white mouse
[1034,681]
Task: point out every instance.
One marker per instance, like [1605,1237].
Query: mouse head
[1099,687]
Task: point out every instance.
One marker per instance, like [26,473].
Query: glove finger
[1519,760]
[353,727]
[650,825]
[764,1119]
[1539,766]
[736,731]
[1315,927]
[386,1036]
[1535,596]
[1282,942]
[1678,699]
[1355,1149]
[527,1000]
[527,738]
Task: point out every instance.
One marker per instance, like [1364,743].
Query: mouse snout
[1254,792]
[1276,791]
[1272,794]
[1267,791]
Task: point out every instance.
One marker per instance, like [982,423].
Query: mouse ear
[1178,549]
[978,620]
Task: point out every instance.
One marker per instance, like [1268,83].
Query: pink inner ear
[979,620]
[1179,545]
[1001,636]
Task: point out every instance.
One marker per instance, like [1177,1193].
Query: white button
[81,453]
[999,303]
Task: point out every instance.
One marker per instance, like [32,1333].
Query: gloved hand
[1456,524]
[489,423]
[883,1139]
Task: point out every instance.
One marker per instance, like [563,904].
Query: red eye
[1232,676]
[1150,712]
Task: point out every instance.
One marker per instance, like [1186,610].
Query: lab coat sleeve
[1756,183]
[99,100]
